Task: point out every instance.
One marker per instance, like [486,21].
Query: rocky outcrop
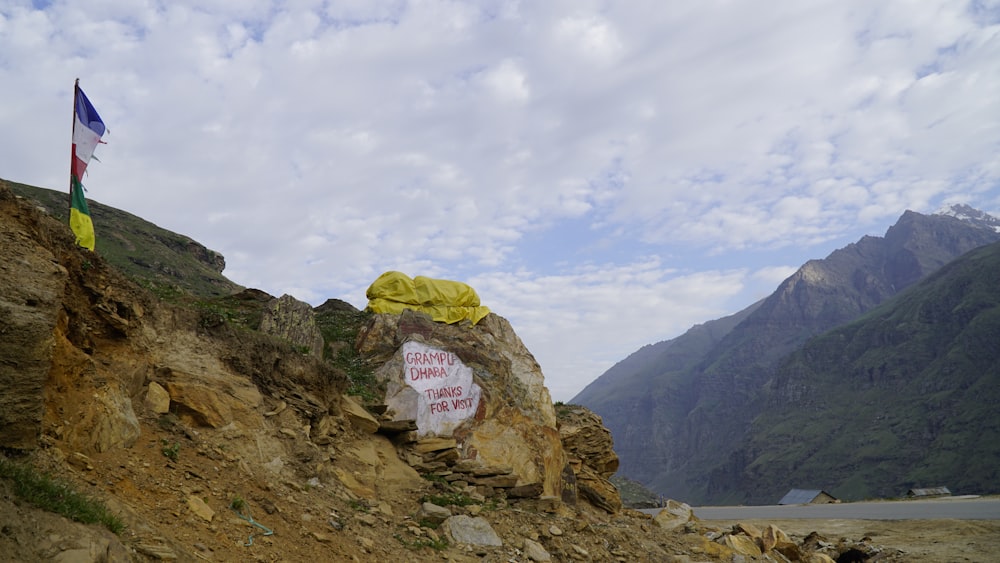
[293,320]
[591,455]
[476,384]
[33,285]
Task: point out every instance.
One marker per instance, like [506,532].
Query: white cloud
[593,316]
[590,37]
[508,83]
[317,144]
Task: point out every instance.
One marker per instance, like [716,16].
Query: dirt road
[960,508]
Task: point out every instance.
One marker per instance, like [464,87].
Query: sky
[605,174]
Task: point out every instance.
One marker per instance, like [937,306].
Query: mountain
[681,411]
[904,397]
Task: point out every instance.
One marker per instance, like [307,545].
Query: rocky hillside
[680,411]
[166,263]
[141,425]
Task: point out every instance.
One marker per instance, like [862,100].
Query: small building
[807,496]
[929,492]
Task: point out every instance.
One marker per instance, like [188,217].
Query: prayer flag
[87,132]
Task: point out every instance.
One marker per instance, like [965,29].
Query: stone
[772,538]
[535,552]
[674,515]
[532,490]
[278,409]
[79,461]
[432,513]
[817,558]
[294,321]
[592,458]
[397,426]
[744,545]
[444,456]
[358,416]
[584,436]
[434,444]
[321,432]
[156,551]
[570,492]
[496,481]
[555,530]
[200,508]
[106,422]
[468,530]
[353,484]
[534,452]
[367,543]
[200,403]
[598,491]
[157,399]
[491,471]
[750,530]
[548,504]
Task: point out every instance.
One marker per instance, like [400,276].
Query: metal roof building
[929,492]
[807,496]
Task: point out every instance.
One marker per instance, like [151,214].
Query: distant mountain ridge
[680,411]
[901,398]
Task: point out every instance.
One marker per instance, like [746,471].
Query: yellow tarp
[445,301]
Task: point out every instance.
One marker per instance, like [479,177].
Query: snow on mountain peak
[969,214]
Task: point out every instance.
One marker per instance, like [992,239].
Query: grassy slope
[161,260]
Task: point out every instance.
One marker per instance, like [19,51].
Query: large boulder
[477,384]
[469,530]
[293,320]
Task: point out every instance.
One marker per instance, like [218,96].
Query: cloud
[508,83]
[317,144]
[567,319]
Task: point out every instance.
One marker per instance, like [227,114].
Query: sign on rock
[447,395]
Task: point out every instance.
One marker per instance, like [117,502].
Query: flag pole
[76,90]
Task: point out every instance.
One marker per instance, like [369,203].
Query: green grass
[169,450]
[231,310]
[343,326]
[238,504]
[434,478]
[53,495]
[144,252]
